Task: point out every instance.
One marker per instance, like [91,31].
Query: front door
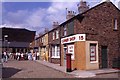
[65,52]
[104,57]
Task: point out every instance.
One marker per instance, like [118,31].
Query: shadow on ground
[7,72]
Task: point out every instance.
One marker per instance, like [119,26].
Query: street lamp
[5,36]
[8,46]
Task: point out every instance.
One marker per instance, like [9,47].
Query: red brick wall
[97,24]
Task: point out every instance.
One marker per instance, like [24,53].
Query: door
[104,57]
[65,52]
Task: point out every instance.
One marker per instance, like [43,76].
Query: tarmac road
[30,69]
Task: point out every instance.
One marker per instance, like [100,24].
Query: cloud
[38,19]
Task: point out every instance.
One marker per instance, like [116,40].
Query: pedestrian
[44,56]
[34,55]
[5,56]
[22,56]
[29,56]
[37,55]
[18,56]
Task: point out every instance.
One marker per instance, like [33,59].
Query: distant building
[16,39]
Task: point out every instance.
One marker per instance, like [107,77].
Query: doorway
[65,52]
[104,56]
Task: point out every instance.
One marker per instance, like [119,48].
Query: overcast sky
[40,14]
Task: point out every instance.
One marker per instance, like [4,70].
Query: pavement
[79,73]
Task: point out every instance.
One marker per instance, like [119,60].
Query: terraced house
[54,44]
[92,37]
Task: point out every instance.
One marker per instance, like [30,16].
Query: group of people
[20,56]
[33,56]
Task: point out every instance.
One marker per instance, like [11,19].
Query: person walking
[22,56]
[18,58]
[29,56]
[37,55]
[34,55]
[5,56]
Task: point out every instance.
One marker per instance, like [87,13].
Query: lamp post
[5,36]
[8,46]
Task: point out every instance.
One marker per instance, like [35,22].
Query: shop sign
[71,50]
[74,38]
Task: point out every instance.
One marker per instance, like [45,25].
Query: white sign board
[71,51]
[74,38]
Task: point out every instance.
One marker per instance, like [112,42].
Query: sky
[37,15]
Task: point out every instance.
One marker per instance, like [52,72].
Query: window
[71,51]
[53,35]
[55,52]
[58,51]
[115,24]
[92,52]
[57,34]
[65,31]
[42,40]
[70,28]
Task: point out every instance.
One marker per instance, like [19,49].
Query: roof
[80,15]
[15,44]
[16,29]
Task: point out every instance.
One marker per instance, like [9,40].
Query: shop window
[92,52]
[53,35]
[57,34]
[71,51]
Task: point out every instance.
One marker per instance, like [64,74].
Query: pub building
[92,37]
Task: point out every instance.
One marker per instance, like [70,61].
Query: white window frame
[57,34]
[65,31]
[53,35]
[54,52]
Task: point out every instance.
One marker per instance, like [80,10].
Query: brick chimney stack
[70,14]
[82,6]
[55,24]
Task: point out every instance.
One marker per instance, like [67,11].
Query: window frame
[53,35]
[55,52]
[95,53]
[65,31]
[57,34]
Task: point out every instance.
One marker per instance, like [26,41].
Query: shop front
[84,54]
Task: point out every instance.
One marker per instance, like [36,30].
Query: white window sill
[94,62]
[55,57]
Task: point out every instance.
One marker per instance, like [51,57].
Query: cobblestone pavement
[30,69]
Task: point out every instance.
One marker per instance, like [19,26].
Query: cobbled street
[30,69]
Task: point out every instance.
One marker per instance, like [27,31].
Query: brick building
[54,44]
[16,39]
[100,26]
[92,37]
